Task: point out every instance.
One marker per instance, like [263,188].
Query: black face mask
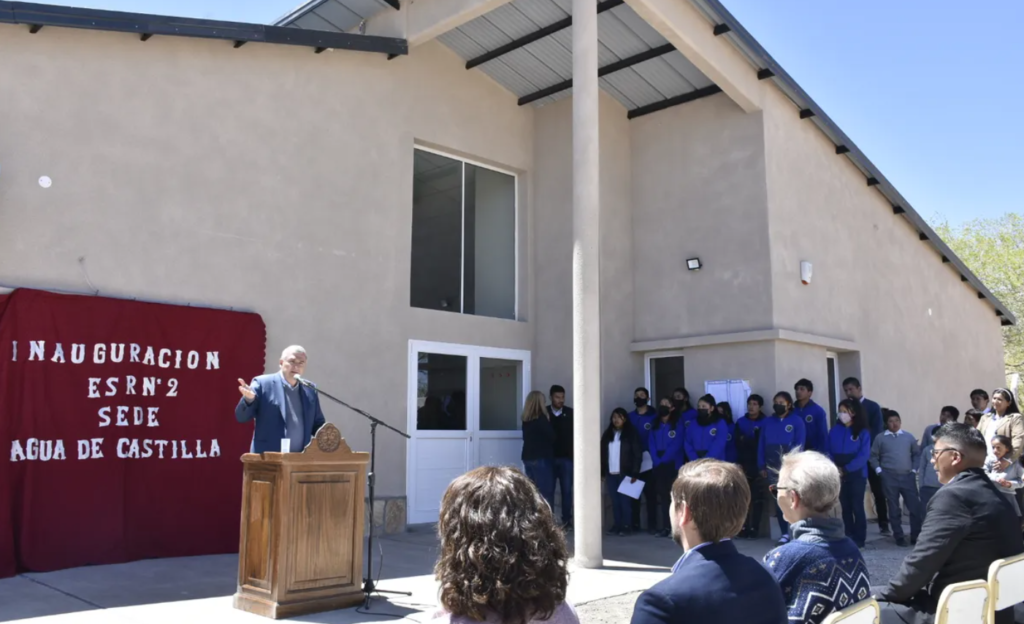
[705,417]
[780,409]
[663,410]
[639,402]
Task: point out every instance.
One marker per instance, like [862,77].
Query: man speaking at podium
[287,412]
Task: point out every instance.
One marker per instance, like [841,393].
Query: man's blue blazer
[268,410]
[714,584]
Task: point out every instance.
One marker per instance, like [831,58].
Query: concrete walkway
[197,590]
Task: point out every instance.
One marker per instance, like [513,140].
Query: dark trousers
[926,495]
[621,504]
[758,496]
[851,497]
[664,476]
[650,498]
[542,473]
[563,476]
[902,486]
[878,493]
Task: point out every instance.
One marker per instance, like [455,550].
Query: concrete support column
[586,302]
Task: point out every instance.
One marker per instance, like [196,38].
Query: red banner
[117,429]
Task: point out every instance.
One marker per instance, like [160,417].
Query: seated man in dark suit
[712,583]
[287,412]
[969,525]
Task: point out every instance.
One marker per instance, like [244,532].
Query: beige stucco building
[417,221]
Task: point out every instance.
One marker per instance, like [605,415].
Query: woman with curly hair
[503,558]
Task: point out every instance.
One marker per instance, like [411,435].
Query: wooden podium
[301,544]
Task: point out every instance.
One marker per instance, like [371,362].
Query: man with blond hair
[712,581]
[287,413]
[820,570]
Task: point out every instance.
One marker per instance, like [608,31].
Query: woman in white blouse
[621,456]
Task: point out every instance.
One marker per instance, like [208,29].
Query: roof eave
[757,55]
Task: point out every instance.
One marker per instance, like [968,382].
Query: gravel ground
[881,554]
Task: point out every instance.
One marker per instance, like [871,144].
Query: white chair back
[1005,584]
[863,612]
[963,603]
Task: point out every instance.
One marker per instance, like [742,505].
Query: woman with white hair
[820,570]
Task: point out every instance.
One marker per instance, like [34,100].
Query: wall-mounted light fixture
[693,264]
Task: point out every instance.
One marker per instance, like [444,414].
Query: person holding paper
[287,413]
[708,436]
[621,455]
[643,418]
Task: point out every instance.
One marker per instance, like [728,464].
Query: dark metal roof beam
[602,71]
[561,24]
[674,101]
[39,15]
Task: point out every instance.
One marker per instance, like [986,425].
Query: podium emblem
[328,439]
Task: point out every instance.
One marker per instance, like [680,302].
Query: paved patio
[198,590]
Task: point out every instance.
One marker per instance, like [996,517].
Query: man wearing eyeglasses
[969,525]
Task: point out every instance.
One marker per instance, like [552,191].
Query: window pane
[436,232]
[501,394]
[666,376]
[489,287]
[441,392]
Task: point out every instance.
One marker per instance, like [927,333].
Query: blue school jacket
[815,424]
[707,440]
[666,444]
[778,437]
[848,453]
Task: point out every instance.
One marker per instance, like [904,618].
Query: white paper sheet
[646,463]
[286,445]
[731,391]
[631,490]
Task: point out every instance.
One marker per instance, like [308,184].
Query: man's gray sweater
[896,453]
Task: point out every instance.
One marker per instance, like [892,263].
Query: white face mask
[844,418]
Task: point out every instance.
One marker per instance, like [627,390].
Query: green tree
[994,250]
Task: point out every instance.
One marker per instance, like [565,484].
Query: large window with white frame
[463,237]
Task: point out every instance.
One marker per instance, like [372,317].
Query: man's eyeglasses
[936,452]
[775,489]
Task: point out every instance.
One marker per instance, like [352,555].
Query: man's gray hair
[814,477]
[292,349]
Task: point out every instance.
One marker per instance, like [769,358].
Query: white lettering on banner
[97,448]
[212,360]
[83,449]
[130,382]
[193,359]
[152,417]
[172,387]
[37,450]
[37,350]
[77,353]
[94,387]
[134,352]
[150,359]
[148,386]
[184,451]
[122,413]
[177,359]
[58,354]
[104,416]
[164,364]
[139,415]
[117,353]
[147,448]
[99,353]
[14,351]
[112,387]
[162,444]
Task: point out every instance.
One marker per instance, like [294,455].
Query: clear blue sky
[930,90]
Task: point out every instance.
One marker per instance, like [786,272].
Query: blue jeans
[851,497]
[542,473]
[622,505]
[563,476]
[898,485]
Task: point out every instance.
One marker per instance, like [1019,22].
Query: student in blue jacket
[665,445]
[730,442]
[681,403]
[849,447]
[781,434]
[707,436]
[814,416]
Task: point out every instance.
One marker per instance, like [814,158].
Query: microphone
[305,382]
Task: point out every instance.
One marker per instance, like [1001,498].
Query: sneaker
[885,531]
[901,542]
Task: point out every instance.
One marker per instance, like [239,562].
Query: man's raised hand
[247,392]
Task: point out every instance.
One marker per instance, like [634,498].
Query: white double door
[464,411]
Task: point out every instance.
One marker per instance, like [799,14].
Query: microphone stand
[368,584]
